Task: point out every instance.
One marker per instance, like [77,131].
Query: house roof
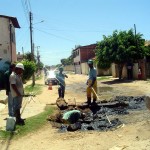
[13,20]
[86,46]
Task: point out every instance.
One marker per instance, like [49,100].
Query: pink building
[81,55]
[7,38]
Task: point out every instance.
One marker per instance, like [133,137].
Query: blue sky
[73,22]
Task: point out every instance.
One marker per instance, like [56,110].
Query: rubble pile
[97,117]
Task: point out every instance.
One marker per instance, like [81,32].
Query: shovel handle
[95,93]
[105,112]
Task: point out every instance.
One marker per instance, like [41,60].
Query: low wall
[69,68]
[104,72]
[124,71]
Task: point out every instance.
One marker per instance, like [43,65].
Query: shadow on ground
[117,81]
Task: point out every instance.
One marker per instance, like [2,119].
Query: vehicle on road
[50,77]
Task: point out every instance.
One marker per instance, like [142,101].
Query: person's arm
[66,76]
[93,81]
[15,89]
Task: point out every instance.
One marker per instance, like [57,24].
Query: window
[5,51]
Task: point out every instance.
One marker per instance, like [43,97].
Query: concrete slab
[3,97]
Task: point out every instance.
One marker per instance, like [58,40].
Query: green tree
[29,56]
[29,69]
[120,48]
[67,61]
[41,65]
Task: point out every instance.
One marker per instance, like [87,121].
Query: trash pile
[97,117]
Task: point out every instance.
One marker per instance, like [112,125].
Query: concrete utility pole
[135,35]
[135,29]
[23,52]
[32,47]
[38,57]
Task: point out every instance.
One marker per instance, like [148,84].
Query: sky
[60,25]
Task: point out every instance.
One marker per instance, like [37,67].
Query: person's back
[71,116]
[7,87]
[61,80]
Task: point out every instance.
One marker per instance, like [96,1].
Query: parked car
[50,77]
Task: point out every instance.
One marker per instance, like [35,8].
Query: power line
[53,51]
[55,35]
[72,30]
[29,5]
[25,11]
[23,41]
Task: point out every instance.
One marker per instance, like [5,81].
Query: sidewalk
[29,108]
[3,107]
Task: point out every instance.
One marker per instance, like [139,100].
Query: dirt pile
[97,117]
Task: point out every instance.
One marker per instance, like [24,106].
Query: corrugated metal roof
[13,19]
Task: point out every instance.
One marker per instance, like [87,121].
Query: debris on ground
[61,103]
[97,116]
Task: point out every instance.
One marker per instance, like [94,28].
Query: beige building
[7,38]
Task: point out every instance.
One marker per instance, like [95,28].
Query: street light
[38,22]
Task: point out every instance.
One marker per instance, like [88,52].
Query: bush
[29,69]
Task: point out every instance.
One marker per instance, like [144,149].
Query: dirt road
[134,135]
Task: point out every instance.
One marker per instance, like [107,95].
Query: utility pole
[135,36]
[135,29]
[23,52]
[32,47]
[38,57]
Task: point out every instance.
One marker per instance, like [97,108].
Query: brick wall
[87,52]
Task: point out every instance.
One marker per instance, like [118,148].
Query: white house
[7,38]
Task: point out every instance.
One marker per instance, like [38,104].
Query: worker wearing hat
[92,83]
[17,91]
[61,80]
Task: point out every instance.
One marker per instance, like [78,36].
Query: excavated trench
[104,115]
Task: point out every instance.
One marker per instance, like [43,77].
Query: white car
[50,77]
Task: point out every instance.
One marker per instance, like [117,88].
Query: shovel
[102,106]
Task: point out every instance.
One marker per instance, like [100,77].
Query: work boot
[19,120]
[88,100]
[94,102]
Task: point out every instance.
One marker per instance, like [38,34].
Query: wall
[143,64]
[69,68]
[81,56]
[85,68]
[103,72]
[76,55]
[124,71]
[87,52]
[4,39]
[148,69]
[5,48]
